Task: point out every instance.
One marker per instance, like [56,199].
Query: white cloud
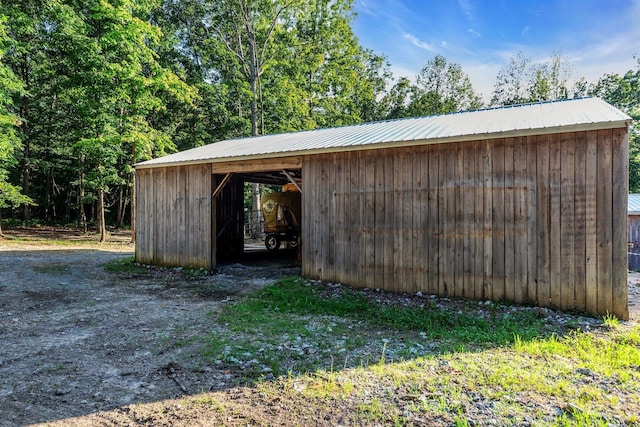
[467,9]
[419,43]
[473,32]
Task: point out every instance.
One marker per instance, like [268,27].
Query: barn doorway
[241,233]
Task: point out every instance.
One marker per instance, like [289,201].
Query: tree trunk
[82,216]
[26,153]
[122,206]
[26,180]
[101,224]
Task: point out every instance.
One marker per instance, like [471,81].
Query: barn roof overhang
[285,151]
[633,204]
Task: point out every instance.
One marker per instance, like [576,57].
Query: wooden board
[390,219]
[341,247]
[620,159]
[257,165]
[568,233]
[509,222]
[580,219]
[329,189]
[543,221]
[604,222]
[381,228]
[591,213]
[416,189]
[520,228]
[367,164]
[487,250]
[532,220]
[554,220]
[498,221]
[433,222]
[458,232]
[469,220]
[479,229]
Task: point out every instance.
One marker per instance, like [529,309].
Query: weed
[610,321]
[208,401]
[194,273]
[371,411]
[125,265]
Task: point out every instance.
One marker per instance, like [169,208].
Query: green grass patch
[125,265]
[294,296]
[582,379]
[295,326]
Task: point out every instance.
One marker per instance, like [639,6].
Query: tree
[441,87]
[9,85]
[125,85]
[624,93]
[396,103]
[511,85]
[245,29]
[523,80]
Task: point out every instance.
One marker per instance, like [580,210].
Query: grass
[125,265]
[449,366]
[276,306]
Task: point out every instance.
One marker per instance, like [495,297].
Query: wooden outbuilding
[525,203]
[633,232]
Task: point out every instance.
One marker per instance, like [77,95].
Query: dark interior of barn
[241,235]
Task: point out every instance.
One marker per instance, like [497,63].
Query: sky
[596,36]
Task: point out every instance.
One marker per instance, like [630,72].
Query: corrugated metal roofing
[634,204]
[519,120]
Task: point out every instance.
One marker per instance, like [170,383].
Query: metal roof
[633,206]
[520,120]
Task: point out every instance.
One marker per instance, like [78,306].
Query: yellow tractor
[281,216]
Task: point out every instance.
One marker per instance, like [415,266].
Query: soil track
[77,339]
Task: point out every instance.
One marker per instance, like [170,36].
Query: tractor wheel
[272,242]
[293,243]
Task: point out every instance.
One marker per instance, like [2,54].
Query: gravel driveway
[77,339]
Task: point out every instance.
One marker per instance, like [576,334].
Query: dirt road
[77,339]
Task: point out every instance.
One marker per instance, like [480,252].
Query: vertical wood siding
[634,231]
[538,219]
[174,216]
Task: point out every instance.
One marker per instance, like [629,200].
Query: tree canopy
[89,88]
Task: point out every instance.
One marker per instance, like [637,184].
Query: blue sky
[597,36]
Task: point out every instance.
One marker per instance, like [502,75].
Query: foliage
[90,88]
[523,80]
[10,85]
[624,93]
[441,87]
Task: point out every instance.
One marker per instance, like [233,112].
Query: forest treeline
[90,87]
